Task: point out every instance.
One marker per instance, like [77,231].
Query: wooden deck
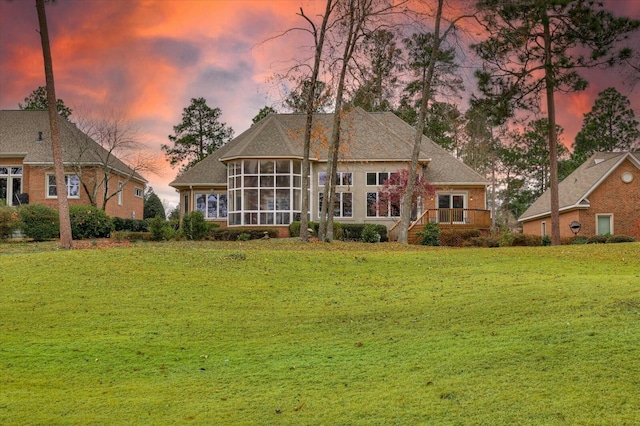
[446,219]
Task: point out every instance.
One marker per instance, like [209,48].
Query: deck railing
[448,219]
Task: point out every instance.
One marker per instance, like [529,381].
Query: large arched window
[264,192]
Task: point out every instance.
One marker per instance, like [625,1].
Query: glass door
[451,208]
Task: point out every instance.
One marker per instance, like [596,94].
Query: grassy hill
[280,332]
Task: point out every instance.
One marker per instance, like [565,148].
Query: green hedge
[89,222]
[620,239]
[9,221]
[131,236]
[39,222]
[235,234]
[135,225]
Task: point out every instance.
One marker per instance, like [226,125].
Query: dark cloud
[179,53]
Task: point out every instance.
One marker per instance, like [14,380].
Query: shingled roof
[366,137]
[574,190]
[21,129]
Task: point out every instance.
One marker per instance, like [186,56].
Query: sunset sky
[149,58]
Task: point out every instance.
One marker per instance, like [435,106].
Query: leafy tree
[66,238]
[426,85]
[264,111]
[444,126]
[298,99]
[535,153]
[380,58]
[609,126]
[199,134]
[537,47]
[152,205]
[175,213]
[37,100]
[394,189]
[445,79]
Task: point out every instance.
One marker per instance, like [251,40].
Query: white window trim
[378,183]
[120,193]
[611,221]
[55,197]
[543,228]
[138,192]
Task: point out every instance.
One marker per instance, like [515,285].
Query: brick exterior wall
[612,196]
[35,184]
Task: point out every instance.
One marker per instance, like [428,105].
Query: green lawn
[280,332]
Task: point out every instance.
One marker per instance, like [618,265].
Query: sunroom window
[264,192]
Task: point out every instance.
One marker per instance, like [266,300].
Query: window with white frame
[378,207]
[343,206]
[138,192]
[212,206]
[10,184]
[604,224]
[120,196]
[264,192]
[72,183]
[378,178]
[342,178]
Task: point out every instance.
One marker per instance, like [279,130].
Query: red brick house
[602,195]
[27,174]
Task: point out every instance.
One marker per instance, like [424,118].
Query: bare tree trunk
[553,135]
[357,14]
[319,43]
[63,203]
[405,210]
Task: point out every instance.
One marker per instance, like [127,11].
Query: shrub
[620,239]
[370,234]
[89,222]
[194,226]
[233,234]
[244,237]
[597,239]
[131,236]
[506,237]
[430,235]
[161,229]
[525,240]
[135,225]
[39,222]
[458,237]
[490,241]
[9,221]
[546,240]
[353,231]
[578,240]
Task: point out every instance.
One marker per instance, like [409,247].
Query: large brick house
[255,180]
[27,174]
[602,195]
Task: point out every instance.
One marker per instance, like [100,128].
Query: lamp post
[575,227]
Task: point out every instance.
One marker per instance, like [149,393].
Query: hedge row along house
[255,179]
[602,196]
[27,173]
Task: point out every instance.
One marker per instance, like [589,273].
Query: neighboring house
[27,173]
[255,180]
[602,195]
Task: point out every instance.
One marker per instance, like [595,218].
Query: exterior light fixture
[575,227]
